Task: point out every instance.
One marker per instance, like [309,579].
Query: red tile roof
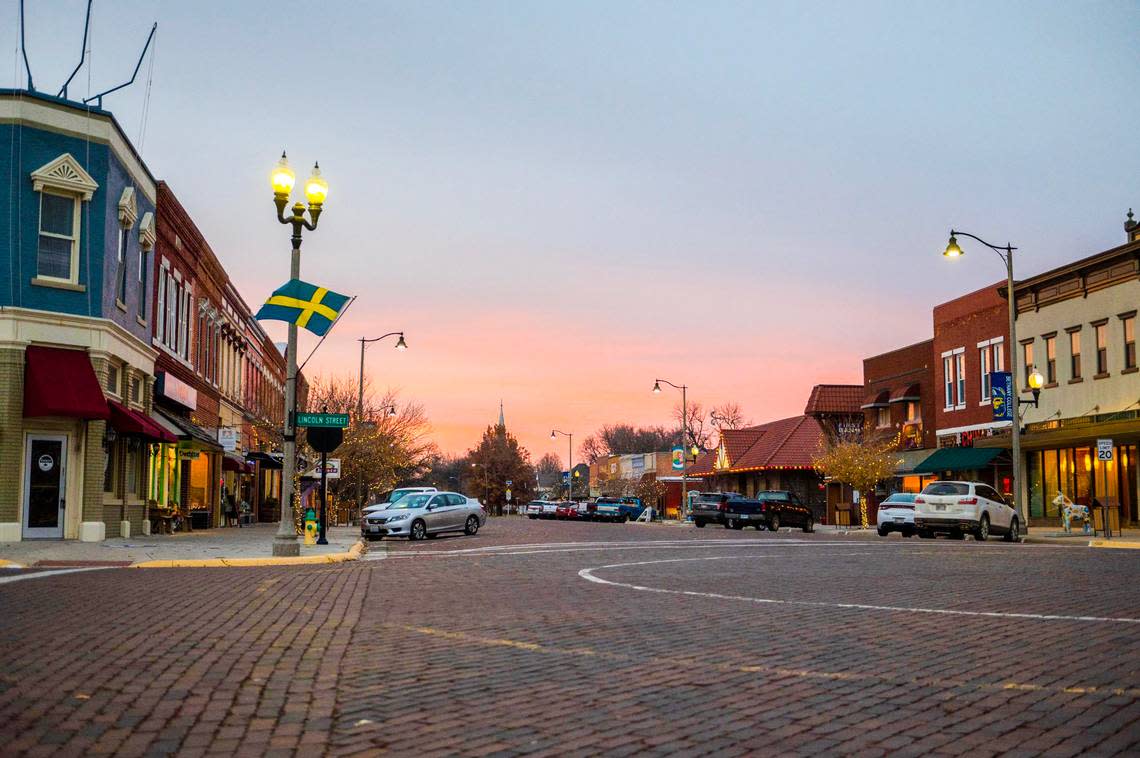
[835,398]
[787,443]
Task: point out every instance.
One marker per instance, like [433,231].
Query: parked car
[566,510]
[425,514]
[961,508]
[533,509]
[619,509]
[393,496]
[896,514]
[770,509]
[710,507]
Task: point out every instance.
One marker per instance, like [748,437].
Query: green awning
[957,459]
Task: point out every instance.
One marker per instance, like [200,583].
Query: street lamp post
[484,467]
[569,461]
[684,511]
[1035,380]
[282,179]
[401,346]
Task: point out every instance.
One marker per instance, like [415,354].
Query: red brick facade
[899,394]
[968,331]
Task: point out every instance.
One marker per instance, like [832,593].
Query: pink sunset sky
[560,202]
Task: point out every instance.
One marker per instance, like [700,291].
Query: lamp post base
[286,547]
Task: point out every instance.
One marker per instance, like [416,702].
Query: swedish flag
[306,305]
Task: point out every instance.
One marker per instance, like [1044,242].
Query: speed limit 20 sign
[1104,450]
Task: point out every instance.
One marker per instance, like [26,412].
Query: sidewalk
[245,544]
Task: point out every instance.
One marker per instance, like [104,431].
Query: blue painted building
[76,361]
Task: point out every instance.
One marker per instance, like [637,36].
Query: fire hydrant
[310,527]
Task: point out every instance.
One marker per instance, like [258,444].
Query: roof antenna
[24,49]
[82,52]
[99,97]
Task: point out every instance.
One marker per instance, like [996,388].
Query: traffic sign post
[1104,457]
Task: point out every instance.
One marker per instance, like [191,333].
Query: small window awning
[906,394]
[60,382]
[879,399]
[267,460]
[957,459]
[127,421]
[187,431]
[235,462]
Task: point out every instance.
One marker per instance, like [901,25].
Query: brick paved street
[555,638]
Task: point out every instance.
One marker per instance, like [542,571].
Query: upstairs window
[1075,355]
[1051,360]
[960,375]
[1027,358]
[948,377]
[58,256]
[1129,324]
[884,418]
[1101,349]
[121,270]
[986,367]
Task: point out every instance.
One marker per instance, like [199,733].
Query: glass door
[45,482]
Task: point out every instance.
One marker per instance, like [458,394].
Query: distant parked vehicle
[619,509]
[961,508]
[533,509]
[425,514]
[566,510]
[710,507]
[770,509]
[896,514]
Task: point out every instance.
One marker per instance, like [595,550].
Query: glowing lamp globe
[282,177]
[1036,381]
[316,188]
[401,345]
[952,249]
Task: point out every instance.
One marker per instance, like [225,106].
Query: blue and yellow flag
[306,305]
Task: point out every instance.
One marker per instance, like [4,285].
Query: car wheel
[982,533]
[472,526]
[883,532]
[371,537]
[925,534]
[418,530]
[729,523]
[698,523]
[774,523]
[809,525]
[908,533]
[1014,533]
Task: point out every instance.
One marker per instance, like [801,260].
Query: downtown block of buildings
[1076,325]
[134,380]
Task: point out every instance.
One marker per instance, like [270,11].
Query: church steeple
[502,419]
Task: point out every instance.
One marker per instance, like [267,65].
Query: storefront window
[1051,484]
[1082,474]
[199,482]
[1034,475]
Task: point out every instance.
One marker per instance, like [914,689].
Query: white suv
[961,508]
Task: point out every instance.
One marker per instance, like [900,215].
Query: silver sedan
[424,515]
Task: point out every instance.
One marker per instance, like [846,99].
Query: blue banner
[1002,396]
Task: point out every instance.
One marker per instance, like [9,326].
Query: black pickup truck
[771,509]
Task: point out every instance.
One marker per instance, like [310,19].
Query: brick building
[971,338]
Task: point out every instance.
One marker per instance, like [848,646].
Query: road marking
[468,638]
[43,574]
[571,547]
[587,574]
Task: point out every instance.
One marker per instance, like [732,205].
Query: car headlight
[401,517]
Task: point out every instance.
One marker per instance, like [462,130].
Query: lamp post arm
[382,336]
[674,386]
[1004,251]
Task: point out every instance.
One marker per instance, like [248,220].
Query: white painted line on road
[587,574]
[569,547]
[57,572]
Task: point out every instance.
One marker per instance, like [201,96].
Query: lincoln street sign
[337,420]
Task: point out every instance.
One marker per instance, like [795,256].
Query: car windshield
[946,488]
[413,500]
[397,494]
[605,500]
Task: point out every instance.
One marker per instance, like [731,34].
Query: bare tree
[698,431]
[728,416]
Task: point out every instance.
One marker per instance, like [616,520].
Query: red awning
[126,421]
[59,382]
[906,394]
[880,399]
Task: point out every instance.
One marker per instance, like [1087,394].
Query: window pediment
[128,208]
[64,174]
[147,234]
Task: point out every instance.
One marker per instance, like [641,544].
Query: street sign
[509,483]
[325,439]
[508,495]
[331,469]
[1002,396]
[336,420]
[1104,450]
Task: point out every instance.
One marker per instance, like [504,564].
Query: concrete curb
[352,554]
[6,564]
[1117,543]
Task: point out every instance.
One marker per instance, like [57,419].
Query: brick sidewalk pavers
[433,651]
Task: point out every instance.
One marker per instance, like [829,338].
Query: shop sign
[228,438]
[177,390]
[966,439]
[1002,397]
[332,469]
